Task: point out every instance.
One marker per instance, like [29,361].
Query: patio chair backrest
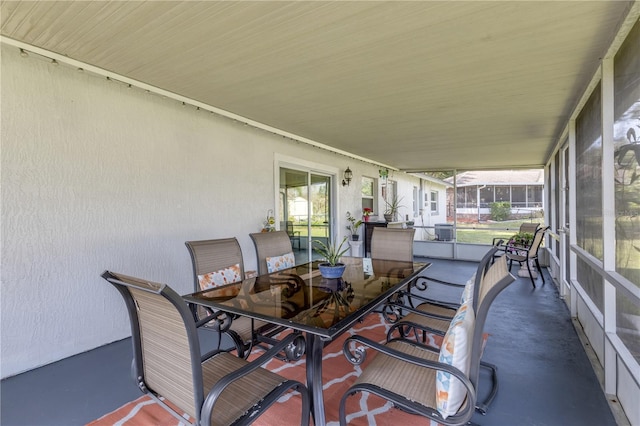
[537,241]
[213,255]
[270,244]
[392,244]
[483,267]
[529,227]
[496,279]
[165,343]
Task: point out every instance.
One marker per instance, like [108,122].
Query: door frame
[309,167]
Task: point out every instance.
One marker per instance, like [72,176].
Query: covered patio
[546,374]
[128,128]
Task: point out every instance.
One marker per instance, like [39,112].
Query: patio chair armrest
[444,282]
[222,319]
[415,327]
[411,309]
[282,345]
[358,357]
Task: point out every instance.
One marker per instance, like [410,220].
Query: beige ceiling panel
[412,84]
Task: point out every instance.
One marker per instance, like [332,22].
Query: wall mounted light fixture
[347,177]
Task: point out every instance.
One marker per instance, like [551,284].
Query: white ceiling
[415,85]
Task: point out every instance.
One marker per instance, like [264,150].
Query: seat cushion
[278,263]
[455,351]
[224,276]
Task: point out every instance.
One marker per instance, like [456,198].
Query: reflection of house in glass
[476,191]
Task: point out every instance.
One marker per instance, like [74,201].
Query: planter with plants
[391,212]
[353,226]
[366,212]
[331,252]
[521,239]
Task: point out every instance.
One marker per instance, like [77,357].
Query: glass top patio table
[301,299]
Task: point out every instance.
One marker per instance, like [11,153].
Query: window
[416,202]
[368,193]
[434,202]
[467,196]
[518,196]
[534,196]
[389,190]
[486,196]
[503,194]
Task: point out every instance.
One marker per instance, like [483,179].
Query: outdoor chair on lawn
[219,262]
[216,388]
[528,254]
[438,384]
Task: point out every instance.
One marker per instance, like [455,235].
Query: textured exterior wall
[97,176]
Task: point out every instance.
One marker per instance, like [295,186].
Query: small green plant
[354,224]
[522,239]
[331,252]
[393,206]
[500,210]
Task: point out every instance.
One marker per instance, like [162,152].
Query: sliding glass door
[305,209]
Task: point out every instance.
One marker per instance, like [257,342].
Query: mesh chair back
[530,227]
[166,347]
[270,244]
[483,267]
[392,244]
[535,244]
[496,279]
[214,255]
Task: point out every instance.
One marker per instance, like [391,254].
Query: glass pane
[502,193]
[628,324]
[519,196]
[627,157]
[367,187]
[320,199]
[367,203]
[589,176]
[294,203]
[486,196]
[460,203]
[592,283]
[471,196]
[534,196]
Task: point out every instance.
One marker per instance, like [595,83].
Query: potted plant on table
[331,252]
[366,212]
[393,205]
[354,225]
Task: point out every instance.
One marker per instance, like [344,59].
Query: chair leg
[483,406]
[539,270]
[533,281]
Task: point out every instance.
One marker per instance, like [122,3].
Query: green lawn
[484,233]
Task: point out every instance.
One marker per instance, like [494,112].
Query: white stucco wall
[97,176]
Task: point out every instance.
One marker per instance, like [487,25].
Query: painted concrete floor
[545,375]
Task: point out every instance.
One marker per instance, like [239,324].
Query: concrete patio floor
[545,373]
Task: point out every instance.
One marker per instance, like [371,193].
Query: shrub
[500,211]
